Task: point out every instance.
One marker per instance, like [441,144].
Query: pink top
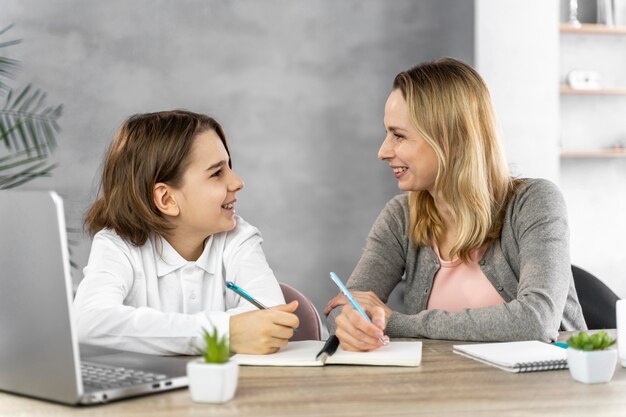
[457,285]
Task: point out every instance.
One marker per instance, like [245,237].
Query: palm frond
[21,167]
[27,123]
[8,66]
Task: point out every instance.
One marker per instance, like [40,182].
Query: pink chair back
[310,324]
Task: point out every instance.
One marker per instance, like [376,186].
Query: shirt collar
[168,260]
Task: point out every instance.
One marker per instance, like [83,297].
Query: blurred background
[299,87]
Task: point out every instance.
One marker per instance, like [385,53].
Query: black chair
[596,299]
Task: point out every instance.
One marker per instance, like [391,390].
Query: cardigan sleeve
[536,238]
[383,260]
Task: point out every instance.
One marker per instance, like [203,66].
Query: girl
[166,237]
[484,257]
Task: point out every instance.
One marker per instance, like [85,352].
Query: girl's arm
[103,319]
[246,266]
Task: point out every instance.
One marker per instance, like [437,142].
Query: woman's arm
[383,261]
[535,242]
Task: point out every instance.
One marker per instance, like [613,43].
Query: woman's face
[412,159]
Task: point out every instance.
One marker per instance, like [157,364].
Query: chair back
[596,299]
[310,327]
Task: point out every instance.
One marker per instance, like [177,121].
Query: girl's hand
[356,333]
[263,331]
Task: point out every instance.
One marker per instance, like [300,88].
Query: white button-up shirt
[150,299]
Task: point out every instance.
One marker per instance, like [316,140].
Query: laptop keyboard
[105,377]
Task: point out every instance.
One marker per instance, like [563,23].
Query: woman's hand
[366,299]
[263,331]
[353,330]
[356,333]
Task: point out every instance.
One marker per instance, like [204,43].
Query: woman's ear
[164,199]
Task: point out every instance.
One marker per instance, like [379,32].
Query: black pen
[329,348]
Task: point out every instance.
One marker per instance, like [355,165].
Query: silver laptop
[39,350]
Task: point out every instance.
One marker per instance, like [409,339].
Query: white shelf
[593,29]
[604,153]
[566,89]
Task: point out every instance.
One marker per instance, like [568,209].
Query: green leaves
[216,350]
[584,341]
[28,128]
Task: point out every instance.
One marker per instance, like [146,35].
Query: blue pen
[232,286]
[350,298]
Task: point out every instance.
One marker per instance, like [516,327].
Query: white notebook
[302,353]
[526,356]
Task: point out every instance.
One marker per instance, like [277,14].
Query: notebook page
[301,353]
[393,354]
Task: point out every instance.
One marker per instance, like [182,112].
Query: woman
[484,256]
[166,238]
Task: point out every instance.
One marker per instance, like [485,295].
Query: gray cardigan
[529,265]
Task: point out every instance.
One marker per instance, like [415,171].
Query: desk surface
[444,384]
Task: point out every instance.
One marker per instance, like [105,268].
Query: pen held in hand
[237,289]
[232,286]
[353,301]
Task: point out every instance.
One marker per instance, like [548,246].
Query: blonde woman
[484,256]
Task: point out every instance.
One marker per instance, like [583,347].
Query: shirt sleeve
[383,260]
[103,319]
[246,266]
[537,230]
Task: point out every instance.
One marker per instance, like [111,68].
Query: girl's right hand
[263,331]
[355,333]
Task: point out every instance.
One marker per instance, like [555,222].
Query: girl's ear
[164,199]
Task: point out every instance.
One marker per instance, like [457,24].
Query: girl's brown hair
[450,106]
[148,148]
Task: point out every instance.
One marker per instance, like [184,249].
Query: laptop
[39,351]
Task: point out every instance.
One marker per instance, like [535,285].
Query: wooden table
[444,385]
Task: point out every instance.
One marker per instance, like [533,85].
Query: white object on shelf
[583,79]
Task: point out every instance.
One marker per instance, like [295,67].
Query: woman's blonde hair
[148,149]
[450,107]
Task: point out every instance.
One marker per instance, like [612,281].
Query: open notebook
[302,353]
[526,356]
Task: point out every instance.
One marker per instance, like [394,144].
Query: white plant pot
[591,367]
[212,383]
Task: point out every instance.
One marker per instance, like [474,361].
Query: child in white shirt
[166,237]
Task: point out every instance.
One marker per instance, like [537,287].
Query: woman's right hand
[263,331]
[356,333]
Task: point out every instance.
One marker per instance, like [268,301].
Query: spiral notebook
[526,356]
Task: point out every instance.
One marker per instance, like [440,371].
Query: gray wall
[298,85]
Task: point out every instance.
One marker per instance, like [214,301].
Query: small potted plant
[213,377]
[589,359]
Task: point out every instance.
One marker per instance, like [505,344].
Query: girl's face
[412,159]
[206,197]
